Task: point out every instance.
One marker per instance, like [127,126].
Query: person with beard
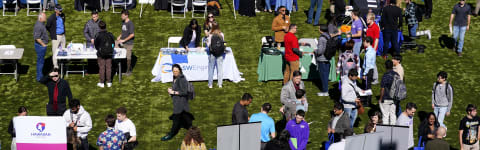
[80,121]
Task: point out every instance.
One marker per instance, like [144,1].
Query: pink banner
[36,146]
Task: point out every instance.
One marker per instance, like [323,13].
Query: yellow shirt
[193,146]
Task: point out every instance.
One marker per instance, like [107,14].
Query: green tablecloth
[270,67]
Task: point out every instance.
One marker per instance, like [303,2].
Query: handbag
[360,108]
[419,147]
[330,141]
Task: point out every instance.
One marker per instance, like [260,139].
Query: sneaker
[109,84]
[320,94]
[210,86]
[459,54]
[219,86]
[166,137]
[429,34]
[102,85]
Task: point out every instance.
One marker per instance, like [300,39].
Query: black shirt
[11,129]
[461,14]
[470,130]
[239,114]
[391,18]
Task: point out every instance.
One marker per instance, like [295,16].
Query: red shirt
[374,32]
[291,41]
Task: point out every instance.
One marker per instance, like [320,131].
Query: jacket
[349,93]
[288,93]
[291,42]
[100,40]
[321,47]
[52,25]
[299,131]
[63,92]
[343,124]
[82,119]
[187,36]
[277,24]
[180,101]
[91,29]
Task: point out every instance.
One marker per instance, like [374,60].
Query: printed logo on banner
[40,127]
[168,69]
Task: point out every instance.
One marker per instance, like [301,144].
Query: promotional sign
[40,133]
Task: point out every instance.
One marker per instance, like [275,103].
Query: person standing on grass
[126,39]
[340,122]
[280,25]
[292,53]
[397,65]
[111,139]
[79,119]
[299,131]
[105,46]
[40,36]
[215,43]
[386,102]
[288,95]
[468,130]
[181,117]
[58,92]
[22,111]
[240,112]
[124,124]
[373,30]
[312,9]
[442,97]
[91,29]
[411,18]
[438,143]
[56,27]
[460,21]
[356,32]
[323,65]
[427,129]
[267,124]
[406,119]
[368,67]
[350,96]
[390,22]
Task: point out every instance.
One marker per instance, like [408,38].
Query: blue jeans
[40,50]
[324,70]
[212,62]
[390,37]
[459,30]
[317,14]
[440,113]
[267,5]
[352,113]
[356,48]
[190,45]
[413,30]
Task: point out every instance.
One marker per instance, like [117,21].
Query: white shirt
[81,119]
[194,36]
[126,126]
[338,146]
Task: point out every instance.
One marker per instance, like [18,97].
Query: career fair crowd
[293,130]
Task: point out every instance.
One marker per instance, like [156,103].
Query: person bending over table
[191,35]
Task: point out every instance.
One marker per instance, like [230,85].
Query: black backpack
[446,89]
[331,48]
[105,49]
[217,45]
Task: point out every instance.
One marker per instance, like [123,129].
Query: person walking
[126,39]
[105,46]
[350,95]
[40,36]
[406,119]
[386,103]
[442,97]
[58,92]
[280,25]
[299,131]
[56,27]
[460,21]
[318,3]
[181,116]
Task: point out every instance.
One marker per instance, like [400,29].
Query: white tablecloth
[197,67]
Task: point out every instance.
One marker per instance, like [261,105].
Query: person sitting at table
[191,35]
[212,58]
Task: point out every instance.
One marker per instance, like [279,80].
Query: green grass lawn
[149,105]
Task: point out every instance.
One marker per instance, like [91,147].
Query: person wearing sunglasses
[280,25]
[207,26]
[58,92]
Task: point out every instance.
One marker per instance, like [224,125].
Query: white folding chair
[121,3]
[34,2]
[144,2]
[199,3]
[175,39]
[5,7]
[310,41]
[184,9]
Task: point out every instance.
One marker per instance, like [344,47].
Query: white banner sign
[35,132]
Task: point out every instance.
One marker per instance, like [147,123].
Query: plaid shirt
[410,13]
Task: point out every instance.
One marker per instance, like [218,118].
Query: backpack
[398,90]
[106,49]
[349,62]
[446,90]
[190,91]
[217,47]
[331,48]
